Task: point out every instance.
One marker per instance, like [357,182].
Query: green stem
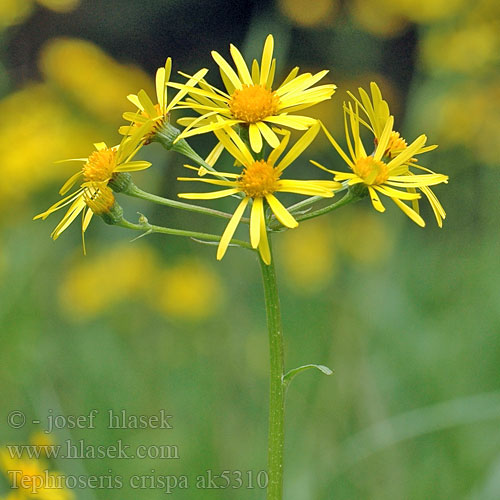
[309,201]
[148,228]
[136,192]
[276,394]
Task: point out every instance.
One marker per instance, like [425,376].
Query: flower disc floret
[259,179]
[253,103]
[395,145]
[373,172]
[100,165]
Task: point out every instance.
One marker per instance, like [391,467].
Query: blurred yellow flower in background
[41,439]
[90,77]
[31,142]
[312,255]
[466,49]
[95,285]
[16,11]
[310,14]
[308,255]
[188,289]
[366,239]
[32,478]
[374,17]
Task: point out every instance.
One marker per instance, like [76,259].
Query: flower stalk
[148,228]
[136,192]
[276,386]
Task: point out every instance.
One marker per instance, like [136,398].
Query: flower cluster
[252,119]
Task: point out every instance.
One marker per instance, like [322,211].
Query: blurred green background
[408,318]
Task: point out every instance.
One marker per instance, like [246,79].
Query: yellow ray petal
[290,86]
[276,153]
[212,127]
[270,137]
[293,73]
[299,147]
[130,116]
[198,93]
[135,101]
[334,143]
[231,228]
[60,204]
[242,147]
[409,212]
[267,55]
[272,72]
[208,196]
[147,104]
[291,121]
[264,250]
[226,68]
[377,204]
[255,221]
[282,214]
[70,183]
[160,87]
[241,65]
[307,188]
[384,139]
[395,193]
[72,213]
[189,84]
[133,166]
[255,138]
[407,153]
[255,72]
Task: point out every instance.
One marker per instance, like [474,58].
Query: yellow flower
[376,110]
[157,112]
[382,174]
[258,182]
[250,100]
[93,195]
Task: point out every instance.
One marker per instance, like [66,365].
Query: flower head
[376,111]
[157,113]
[384,172]
[251,101]
[94,195]
[259,181]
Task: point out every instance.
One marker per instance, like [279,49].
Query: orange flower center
[253,103]
[395,145]
[371,170]
[100,165]
[259,179]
